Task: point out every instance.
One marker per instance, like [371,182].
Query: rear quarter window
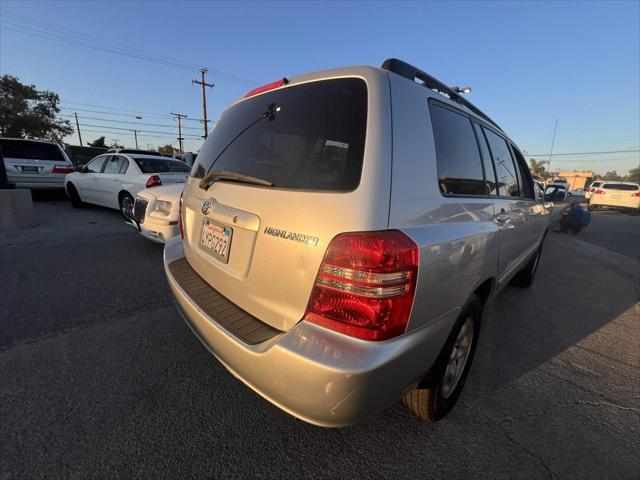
[158,165]
[313,139]
[457,155]
[26,150]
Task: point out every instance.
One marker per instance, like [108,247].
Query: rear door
[30,162]
[512,212]
[261,246]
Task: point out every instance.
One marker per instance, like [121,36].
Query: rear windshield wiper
[217,175]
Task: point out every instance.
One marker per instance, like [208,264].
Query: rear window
[31,150]
[159,165]
[309,136]
[619,186]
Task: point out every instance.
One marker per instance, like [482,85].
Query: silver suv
[342,231]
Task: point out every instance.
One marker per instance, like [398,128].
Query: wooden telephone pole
[179,117]
[204,84]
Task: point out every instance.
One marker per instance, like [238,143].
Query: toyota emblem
[206,206]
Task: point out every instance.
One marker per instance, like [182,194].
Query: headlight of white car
[163,207]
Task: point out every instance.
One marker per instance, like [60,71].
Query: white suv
[35,164]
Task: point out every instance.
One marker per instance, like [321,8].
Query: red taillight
[266,88]
[599,192]
[366,284]
[637,194]
[154,181]
[180,218]
[59,169]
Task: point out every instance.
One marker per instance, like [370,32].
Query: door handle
[116,179]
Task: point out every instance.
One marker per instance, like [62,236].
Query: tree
[166,150]
[537,168]
[98,142]
[611,175]
[26,112]
[634,175]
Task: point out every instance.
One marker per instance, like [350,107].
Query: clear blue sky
[528,63]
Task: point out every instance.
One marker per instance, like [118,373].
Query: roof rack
[412,73]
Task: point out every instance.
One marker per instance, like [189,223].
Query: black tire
[431,400]
[592,208]
[126,202]
[525,277]
[74,196]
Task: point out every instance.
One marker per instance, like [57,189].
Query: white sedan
[113,180]
[156,212]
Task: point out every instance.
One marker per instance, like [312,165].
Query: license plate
[616,197]
[30,169]
[215,239]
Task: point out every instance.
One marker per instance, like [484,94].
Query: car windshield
[31,150]
[620,186]
[309,136]
[160,165]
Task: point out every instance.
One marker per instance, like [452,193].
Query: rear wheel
[126,205]
[440,389]
[592,208]
[74,196]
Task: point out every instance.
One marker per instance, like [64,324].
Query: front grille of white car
[140,209]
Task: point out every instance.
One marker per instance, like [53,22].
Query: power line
[135,113]
[130,129]
[130,122]
[30,26]
[582,153]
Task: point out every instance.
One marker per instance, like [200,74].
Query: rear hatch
[34,162]
[282,174]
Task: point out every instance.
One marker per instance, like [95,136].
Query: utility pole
[179,117]
[553,141]
[115,142]
[78,125]
[135,135]
[204,98]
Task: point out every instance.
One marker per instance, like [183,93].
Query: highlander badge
[293,236]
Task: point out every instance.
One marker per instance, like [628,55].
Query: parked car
[136,151]
[35,164]
[156,212]
[623,195]
[556,192]
[337,252]
[592,188]
[114,180]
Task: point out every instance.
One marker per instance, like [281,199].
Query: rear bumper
[613,203]
[322,377]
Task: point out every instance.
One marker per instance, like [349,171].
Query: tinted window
[505,170]
[114,164]
[159,165]
[308,136]
[524,175]
[489,171]
[31,150]
[620,186]
[95,165]
[457,155]
[124,166]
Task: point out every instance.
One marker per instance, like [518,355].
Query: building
[576,179]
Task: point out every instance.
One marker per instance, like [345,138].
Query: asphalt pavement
[100,377]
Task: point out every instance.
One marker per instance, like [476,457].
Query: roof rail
[412,73]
